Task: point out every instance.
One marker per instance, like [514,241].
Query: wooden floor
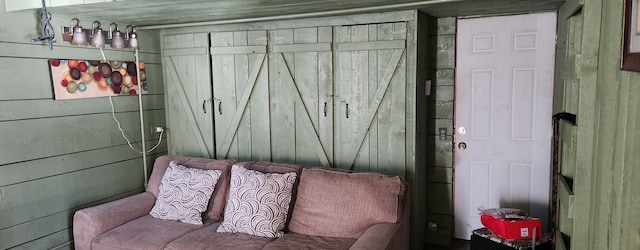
[455,245]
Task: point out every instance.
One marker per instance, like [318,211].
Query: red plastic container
[512,229]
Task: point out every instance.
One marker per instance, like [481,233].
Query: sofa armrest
[93,221]
[387,235]
[382,236]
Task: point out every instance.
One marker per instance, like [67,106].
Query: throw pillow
[184,193]
[258,203]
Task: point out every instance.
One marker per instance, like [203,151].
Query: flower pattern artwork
[72,79]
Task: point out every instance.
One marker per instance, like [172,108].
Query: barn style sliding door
[331,96]
[370,97]
[188,81]
[301,81]
[240,95]
[275,97]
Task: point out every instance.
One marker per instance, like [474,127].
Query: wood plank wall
[59,156]
[440,115]
[607,138]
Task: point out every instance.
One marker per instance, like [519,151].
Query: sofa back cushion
[343,204]
[215,208]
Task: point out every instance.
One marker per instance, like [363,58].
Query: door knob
[462,146]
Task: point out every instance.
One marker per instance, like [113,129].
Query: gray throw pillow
[258,203]
[184,193]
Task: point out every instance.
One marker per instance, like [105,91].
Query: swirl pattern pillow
[184,193]
[258,203]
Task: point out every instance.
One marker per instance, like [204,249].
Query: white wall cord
[113,114]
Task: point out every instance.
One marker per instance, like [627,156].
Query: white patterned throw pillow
[184,193]
[258,203]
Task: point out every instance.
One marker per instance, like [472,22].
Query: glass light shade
[117,41]
[79,37]
[133,41]
[97,40]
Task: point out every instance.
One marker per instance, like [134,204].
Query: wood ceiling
[163,12]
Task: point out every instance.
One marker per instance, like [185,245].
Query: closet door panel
[240,87]
[370,97]
[186,69]
[301,95]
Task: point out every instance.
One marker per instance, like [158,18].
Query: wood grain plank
[61,239]
[385,32]
[282,105]
[242,105]
[360,92]
[224,90]
[44,108]
[232,50]
[188,110]
[57,165]
[68,190]
[312,47]
[440,174]
[373,83]
[375,104]
[243,69]
[71,134]
[304,114]
[439,197]
[305,75]
[36,51]
[185,51]
[397,99]
[40,228]
[440,153]
[372,45]
[259,103]
[382,17]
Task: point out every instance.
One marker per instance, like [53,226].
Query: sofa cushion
[219,196]
[342,204]
[258,202]
[184,193]
[208,238]
[143,233]
[294,241]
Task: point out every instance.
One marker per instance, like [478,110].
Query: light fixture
[132,37]
[117,41]
[97,38]
[79,37]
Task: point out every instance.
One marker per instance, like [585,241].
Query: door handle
[462,146]
[204,106]
[325,109]
[346,110]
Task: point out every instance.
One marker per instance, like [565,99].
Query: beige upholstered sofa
[328,209]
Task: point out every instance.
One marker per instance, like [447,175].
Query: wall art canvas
[72,79]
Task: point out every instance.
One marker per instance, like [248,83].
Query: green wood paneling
[600,151]
[59,156]
[439,158]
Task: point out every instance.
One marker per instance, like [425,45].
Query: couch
[327,209]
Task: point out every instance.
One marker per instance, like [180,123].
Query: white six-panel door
[504,93]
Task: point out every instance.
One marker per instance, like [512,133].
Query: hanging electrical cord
[47,29]
[113,114]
